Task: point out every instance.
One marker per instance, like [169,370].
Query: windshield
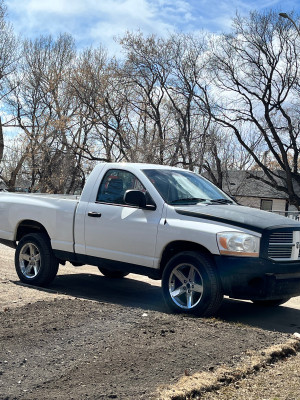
[184,187]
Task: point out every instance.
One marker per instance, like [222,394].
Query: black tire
[112,274]
[270,303]
[34,260]
[194,278]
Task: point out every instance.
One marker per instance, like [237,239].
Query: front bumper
[258,278]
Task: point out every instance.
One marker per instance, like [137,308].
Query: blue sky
[92,22]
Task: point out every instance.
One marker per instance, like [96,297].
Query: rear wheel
[112,274]
[35,262]
[191,284]
[270,303]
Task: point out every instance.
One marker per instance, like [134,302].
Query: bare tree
[43,109]
[164,75]
[99,94]
[231,102]
[255,71]
[13,171]
[8,58]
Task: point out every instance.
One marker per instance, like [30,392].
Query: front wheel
[34,260]
[191,285]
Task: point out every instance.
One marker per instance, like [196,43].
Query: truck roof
[140,166]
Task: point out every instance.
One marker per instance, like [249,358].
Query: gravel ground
[121,344]
[77,349]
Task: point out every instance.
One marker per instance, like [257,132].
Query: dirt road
[89,337]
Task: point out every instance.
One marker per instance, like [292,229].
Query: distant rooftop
[240,183]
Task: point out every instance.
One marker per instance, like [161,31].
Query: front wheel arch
[179,246]
[191,284]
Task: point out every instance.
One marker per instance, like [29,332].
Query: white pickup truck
[163,222]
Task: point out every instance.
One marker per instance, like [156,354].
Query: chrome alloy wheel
[30,260]
[186,286]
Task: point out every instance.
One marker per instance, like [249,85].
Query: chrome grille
[281,245]
[281,237]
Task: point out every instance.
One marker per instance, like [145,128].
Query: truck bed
[51,210]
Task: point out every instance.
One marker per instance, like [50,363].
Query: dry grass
[193,387]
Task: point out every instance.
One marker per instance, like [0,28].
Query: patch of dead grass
[201,382]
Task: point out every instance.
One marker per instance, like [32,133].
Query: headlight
[238,244]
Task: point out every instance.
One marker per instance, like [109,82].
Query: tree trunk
[1,141]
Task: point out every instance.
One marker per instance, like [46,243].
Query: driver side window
[114,185]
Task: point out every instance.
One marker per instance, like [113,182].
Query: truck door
[116,231]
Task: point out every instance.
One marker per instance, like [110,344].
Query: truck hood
[239,216]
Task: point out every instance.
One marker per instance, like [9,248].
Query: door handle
[94,214]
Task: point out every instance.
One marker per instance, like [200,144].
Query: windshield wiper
[221,201]
[194,200]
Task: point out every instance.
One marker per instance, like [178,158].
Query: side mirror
[137,198]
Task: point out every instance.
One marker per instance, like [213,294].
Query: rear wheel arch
[28,226]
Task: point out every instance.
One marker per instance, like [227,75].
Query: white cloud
[88,21]
[65,7]
[98,21]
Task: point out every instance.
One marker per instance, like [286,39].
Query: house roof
[240,183]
